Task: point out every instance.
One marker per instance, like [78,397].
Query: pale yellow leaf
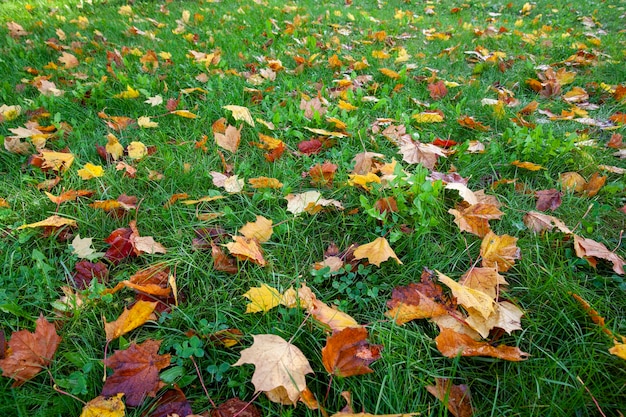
[260,230]
[376,252]
[136,150]
[240,113]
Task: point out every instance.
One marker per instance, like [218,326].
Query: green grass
[565,346]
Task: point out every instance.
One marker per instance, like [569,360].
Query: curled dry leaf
[347,352]
[29,353]
[330,317]
[135,371]
[280,368]
[590,249]
[451,344]
[310,201]
[538,222]
[456,398]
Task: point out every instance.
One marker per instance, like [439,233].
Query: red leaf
[86,271]
[310,147]
[437,90]
[171,403]
[444,143]
[121,245]
[136,372]
[275,153]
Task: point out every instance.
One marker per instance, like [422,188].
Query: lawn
[316,207]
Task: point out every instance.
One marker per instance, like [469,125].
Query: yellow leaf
[265,182]
[380,54]
[376,252]
[363,180]
[261,229]
[4,203]
[390,73]
[527,165]
[205,199]
[246,249]
[324,132]
[184,113]
[146,122]
[332,318]
[240,113]
[52,221]
[129,319]
[499,251]
[344,105]
[137,150]
[468,297]
[619,349]
[105,407]
[113,147]
[128,94]
[56,161]
[263,298]
[90,171]
[427,117]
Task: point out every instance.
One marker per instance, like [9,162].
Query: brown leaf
[310,147]
[475,218]
[280,368]
[538,222]
[451,344]
[590,249]
[594,184]
[548,199]
[29,353]
[221,261]
[437,90]
[415,152]
[386,204]
[229,140]
[153,280]
[121,245]
[499,251]
[234,407]
[485,280]
[322,174]
[456,398]
[347,353]
[172,402]
[135,371]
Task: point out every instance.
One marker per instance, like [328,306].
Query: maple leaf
[90,171]
[363,180]
[428,117]
[86,271]
[135,371]
[221,261]
[330,317]
[81,247]
[417,301]
[229,139]
[56,161]
[322,175]
[499,251]
[264,182]
[261,229]
[155,100]
[105,407]
[456,398]
[280,368]
[68,60]
[572,181]
[485,280]
[130,93]
[527,165]
[136,150]
[594,184]
[466,194]
[312,106]
[538,222]
[548,199]
[129,319]
[240,113]
[71,195]
[153,280]
[471,123]
[146,122]
[451,344]
[415,152]
[310,202]
[376,252]
[590,249]
[347,352]
[263,298]
[172,403]
[246,249]
[469,297]
[30,352]
[619,349]
[184,113]
[475,218]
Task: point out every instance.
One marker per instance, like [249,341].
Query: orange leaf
[456,398]
[470,123]
[322,175]
[437,90]
[499,251]
[451,344]
[264,182]
[151,280]
[389,73]
[594,184]
[572,180]
[129,320]
[475,218]
[71,195]
[527,165]
[347,353]
[29,353]
[376,252]
[246,249]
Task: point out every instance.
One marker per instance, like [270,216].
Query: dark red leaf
[86,271]
[121,246]
[172,402]
[444,143]
[548,199]
[310,147]
[235,407]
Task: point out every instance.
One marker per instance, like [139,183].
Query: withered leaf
[417,300]
[548,199]
[29,353]
[456,398]
[475,218]
[500,252]
[135,371]
[172,402]
[234,407]
[590,249]
[376,252]
[246,249]
[451,344]
[347,352]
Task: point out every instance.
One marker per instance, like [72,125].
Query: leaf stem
[206,392]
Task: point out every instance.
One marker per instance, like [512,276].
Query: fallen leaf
[153,280]
[234,407]
[428,117]
[81,247]
[456,398]
[229,139]
[437,90]
[56,161]
[66,196]
[310,202]
[538,222]
[90,171]
[240,113]
[86,271]
[527,165]
[130,93]
[172,403]
[262,299]
[451,344]
[347,353]
[415,152]
[184,113]
[105,407]
[590,249]
[572,181]
[466,194]
[146,122]
[136,150]
[499,252]
[331,318]
[53,221]
[261,229]
[322,175]
[135,371]
[376,252]
[594,184]
[246,249]
[68,60]
[417,300]
[475,218]
[278,364]
[471,123]
[264,182]
[619,349]
[548,199]
[485,280]
[129,320]
[29,353]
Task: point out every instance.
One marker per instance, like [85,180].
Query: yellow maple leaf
[390,73]
[263,298]
[246,249]
[105,407]
[363,180]
[90,171]
[527,165]
[330,317]
[265,182]
[128,94]
[376,252]
[468,297]
[499,251]
[137,150]
[240,113]
[146,122]
[619,349]
[260,230]
[129,319]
